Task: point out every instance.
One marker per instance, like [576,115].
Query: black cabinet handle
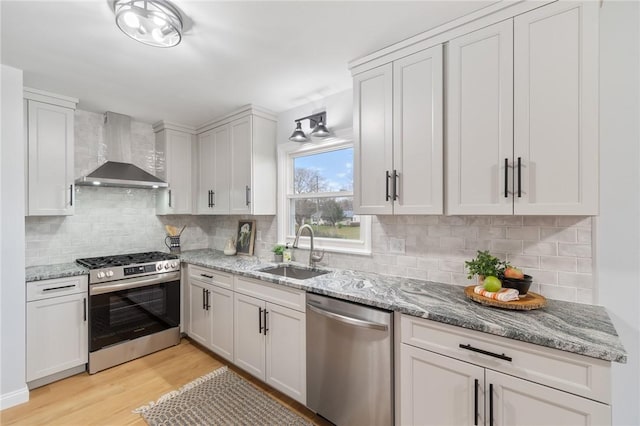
[246,194]
[491,404]
[475,403]
[265,322]
[388,176]
[209,198]
[71,195]
[506,178]
[259,320]
[213,198]
[58,288]
[169,198]
[395,184]
[519,177]
[204,305]
[84,303]
[206,276]
[208,293]
[482,351]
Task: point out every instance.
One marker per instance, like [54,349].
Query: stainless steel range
[134,306]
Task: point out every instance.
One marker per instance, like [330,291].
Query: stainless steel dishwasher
[349,362]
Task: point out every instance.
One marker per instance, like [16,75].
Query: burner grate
[124,259]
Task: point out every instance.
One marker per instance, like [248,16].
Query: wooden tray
[526,303]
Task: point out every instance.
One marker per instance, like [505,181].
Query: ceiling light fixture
[317,122]
[152,22]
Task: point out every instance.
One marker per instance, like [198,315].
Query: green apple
[492,283]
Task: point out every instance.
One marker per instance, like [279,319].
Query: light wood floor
[107,397]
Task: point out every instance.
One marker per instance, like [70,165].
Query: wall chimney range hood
[120,173]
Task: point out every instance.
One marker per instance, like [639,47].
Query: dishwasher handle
[346,319]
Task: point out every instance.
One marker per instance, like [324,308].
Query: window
[317,189]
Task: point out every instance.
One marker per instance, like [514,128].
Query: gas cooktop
[124,259]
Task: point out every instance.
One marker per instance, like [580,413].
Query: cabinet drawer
[209,276]
[37,290]
[278,294]
[584,376]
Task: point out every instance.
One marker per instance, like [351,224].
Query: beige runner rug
[219,398]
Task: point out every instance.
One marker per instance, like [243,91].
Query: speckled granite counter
[61,270]
[571,327]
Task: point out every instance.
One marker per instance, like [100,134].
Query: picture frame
[246,237]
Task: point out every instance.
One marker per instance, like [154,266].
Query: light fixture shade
[298,135]
[152,22]
[320,130]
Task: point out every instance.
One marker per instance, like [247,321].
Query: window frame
[286,154]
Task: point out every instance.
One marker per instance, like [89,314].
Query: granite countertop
[571,327]
[60,270]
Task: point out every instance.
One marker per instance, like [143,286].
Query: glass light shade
[152,22]
[320,130]
[298,135]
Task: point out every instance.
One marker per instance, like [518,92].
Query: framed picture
[246,237]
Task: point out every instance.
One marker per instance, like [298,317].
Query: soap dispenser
[286,254]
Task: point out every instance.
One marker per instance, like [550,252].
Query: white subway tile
[427,264]
[540,248]
[522,261]
[558,263]
[418,274]
[542,276]
[452,242]
[451,220]
[465,231]
[574,221]
[461,279]
[439,276]
[506,220]
[439,230]
[567,294]
[491,233]
[577,250]
[451,266]
[570,279]
[584,236]
[585,296]
[478,220]
[531,233]
[585,265]
[566,235]
[507,246]
[408,261]
[540,220]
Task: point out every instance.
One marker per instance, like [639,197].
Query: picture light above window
[317,122]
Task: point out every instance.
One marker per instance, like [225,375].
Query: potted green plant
[277,250]
[485,265]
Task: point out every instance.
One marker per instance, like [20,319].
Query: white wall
[618,226]
[13,389]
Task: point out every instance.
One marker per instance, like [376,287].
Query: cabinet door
[199,315]
[177,147]
[50,159]
[373,140]
[438,390]
[480,121]
[556,109]
[520,402]
[417,133]
[240,160]
[249,341]
[213,172]
[57,337]
[286,359]
[221,309]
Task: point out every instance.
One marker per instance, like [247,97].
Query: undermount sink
[296,272]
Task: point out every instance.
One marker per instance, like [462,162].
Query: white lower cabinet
[258,326]
[57,330]
[454,376]
[211,310]
[270,338]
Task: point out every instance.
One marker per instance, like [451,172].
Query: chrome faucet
[313,255]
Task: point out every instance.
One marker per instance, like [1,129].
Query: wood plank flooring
[107,398]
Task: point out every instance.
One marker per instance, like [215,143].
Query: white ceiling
[274,54]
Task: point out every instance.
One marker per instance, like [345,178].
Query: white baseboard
[16,397]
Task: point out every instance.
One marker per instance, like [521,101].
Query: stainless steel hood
[119,171]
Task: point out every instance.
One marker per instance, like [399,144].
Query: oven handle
[130,283]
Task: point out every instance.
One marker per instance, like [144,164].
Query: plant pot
[277,258]
[480,279]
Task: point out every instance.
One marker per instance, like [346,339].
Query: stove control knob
[109,274]
[159,267]
[100,274]
[174,264]
[166,265]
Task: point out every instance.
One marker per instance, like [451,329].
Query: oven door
[131,308]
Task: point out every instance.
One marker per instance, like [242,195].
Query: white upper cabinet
[237,162]
[50,146]
[522,115]
[212,181]
[480,121]
[174,167]
[399,136]
[373,144]
[556,109]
